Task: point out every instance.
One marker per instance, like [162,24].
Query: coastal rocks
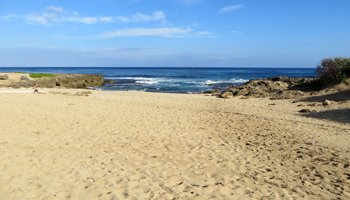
[4,77]
[24,78]
[60,80]
[73,81]
[275,88]
[226,95]
[287,94]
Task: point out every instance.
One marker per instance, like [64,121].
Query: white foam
[233,80]
[139,80]
[149,82]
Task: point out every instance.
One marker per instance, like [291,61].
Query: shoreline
[177,82]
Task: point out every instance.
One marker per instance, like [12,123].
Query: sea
[171,79]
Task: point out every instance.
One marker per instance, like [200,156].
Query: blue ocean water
[179,80]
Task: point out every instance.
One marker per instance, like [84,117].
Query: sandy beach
[137,145]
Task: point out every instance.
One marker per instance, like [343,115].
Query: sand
[136,145]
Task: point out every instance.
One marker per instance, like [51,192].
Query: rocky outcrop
[4,77]
[60,80]
[25,78]
[275,88]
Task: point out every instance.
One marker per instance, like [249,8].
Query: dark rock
[4,77]
[305,110]
[280,78]
[108,81]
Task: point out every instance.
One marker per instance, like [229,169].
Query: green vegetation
[333,71]
[41,75]
[329,72]
[314,84]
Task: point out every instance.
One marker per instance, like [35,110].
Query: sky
[172,33]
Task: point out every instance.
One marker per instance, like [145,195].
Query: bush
[329,72]
[346,71]
[332,71]
[310,85]
[40,75]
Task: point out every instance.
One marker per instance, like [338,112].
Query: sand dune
[134,145]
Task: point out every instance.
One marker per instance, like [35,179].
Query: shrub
[313,84]
[329,72]
[332,71]
[346,71]
[40,75]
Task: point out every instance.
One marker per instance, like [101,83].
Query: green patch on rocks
[41,75]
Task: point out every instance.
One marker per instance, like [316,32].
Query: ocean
[171,80]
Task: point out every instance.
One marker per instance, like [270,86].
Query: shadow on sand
[339,96]
[340,115]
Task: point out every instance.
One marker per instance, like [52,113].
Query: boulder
[327,103]
[305,110]
[4,77]
[226,95]
[25,78]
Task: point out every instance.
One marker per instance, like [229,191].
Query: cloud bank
[53,15]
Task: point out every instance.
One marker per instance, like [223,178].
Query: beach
[74,144]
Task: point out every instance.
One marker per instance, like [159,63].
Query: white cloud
[106,19]
[43,19]
[140,17]
[84,20]
[138,32]
[55,9]
[231,8]
[56,15]
[9,17]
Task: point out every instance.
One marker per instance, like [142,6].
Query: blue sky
[173,33]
